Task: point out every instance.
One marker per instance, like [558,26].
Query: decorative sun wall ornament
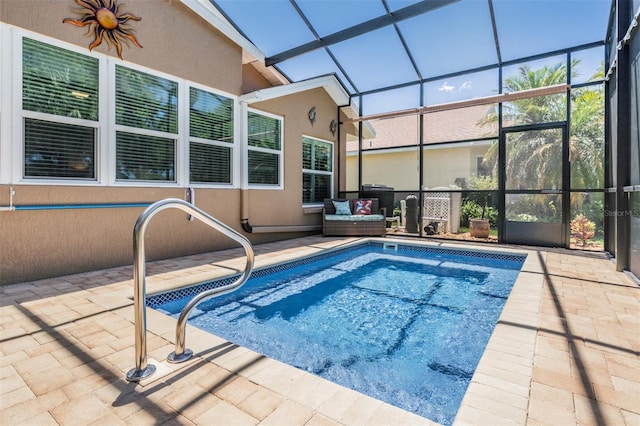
[106,21]
[312,115]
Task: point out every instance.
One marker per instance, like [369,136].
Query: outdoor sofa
[363,218]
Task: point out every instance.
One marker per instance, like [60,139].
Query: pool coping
[500,387]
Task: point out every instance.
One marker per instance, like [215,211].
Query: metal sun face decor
[107,22]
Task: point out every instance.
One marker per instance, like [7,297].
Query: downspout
[244,175]
[244,210]
[338,144]
[191,199]
[360,129]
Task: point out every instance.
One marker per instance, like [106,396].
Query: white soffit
[250,53]
[328,82]
[271,74]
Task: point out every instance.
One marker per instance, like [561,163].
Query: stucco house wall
[453,139]
[395,168]
[178,42]
[399,168]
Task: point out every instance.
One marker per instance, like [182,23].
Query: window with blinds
[317,170]
[264,156]
[147,126]
[60,110]
[63,115]
[211,137]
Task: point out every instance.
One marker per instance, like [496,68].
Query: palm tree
[534,158]
[587,135]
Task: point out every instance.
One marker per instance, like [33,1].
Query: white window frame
[178,137]
[234,146]
[280,152]
[19,115]
[6,105]
[12,143]
[320,172]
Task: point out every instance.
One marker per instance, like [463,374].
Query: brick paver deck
[565,351]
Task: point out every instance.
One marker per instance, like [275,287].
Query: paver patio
[565,351]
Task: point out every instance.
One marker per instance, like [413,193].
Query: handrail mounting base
[177,359]
[135,375]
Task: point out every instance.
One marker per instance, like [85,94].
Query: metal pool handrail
[143,370]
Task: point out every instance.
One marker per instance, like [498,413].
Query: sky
[441,42]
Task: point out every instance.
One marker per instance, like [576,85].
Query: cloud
[467,85]
[445,87]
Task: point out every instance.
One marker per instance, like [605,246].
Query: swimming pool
[406,324]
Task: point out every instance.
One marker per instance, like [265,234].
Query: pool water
[406,327]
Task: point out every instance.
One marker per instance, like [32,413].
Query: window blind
[211,131]
[210,116]
[263,168]
[59,82]
[146,101]
[62,85]
[317,157]
[144,157]
[209,163]
[315,187]
[263,157]
[264,132]
[56,150]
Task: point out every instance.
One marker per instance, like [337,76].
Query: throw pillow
[363,207]
[342,207]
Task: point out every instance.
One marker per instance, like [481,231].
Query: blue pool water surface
[405,326]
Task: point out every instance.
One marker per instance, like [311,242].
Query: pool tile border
[192,290]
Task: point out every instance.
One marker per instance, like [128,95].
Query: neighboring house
[454,147]
[88,140]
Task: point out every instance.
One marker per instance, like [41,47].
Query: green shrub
[472,210]
[524,217]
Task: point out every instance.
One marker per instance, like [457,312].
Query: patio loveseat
[361,217]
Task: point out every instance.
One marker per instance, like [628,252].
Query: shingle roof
[442,126]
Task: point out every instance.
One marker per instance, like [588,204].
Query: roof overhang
[328,82]
[209,13]
[250,53]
